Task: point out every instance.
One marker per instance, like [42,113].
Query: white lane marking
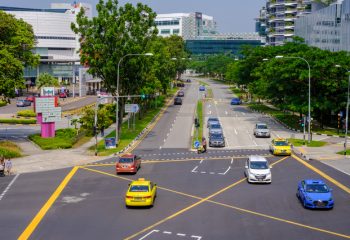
[181,234]
[148,234]
[231,160]
[211,173]
[243,113]
[209,112]
[201,161]
[197,237]
[255,143]
[166,232]
[203,172]
[235,131]
[228,169]
[8,186]
[226,112]
[168,134]
[194,169]
[209,105]
[164,140]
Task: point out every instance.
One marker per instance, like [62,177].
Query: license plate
[125,166]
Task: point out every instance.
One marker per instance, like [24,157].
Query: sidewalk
[44,160]
[327,155]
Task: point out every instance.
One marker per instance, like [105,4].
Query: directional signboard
[46,106]
[132,108]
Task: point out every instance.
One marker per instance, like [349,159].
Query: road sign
[51,116]
[48,91]
[132,108]
[196,144]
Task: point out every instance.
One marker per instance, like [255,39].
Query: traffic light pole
[304,122]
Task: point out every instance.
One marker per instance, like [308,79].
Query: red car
[30,98]
[128,163]
[62,95]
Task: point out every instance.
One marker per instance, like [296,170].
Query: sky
[232,16]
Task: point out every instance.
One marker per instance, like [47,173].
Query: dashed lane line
[8,187]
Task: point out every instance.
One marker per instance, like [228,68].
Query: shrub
[18,121]
[26,113]
[65,138]
[3,103]
[9,149]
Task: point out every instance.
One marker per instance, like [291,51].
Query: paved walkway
[40,160]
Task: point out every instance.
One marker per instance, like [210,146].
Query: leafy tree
[16,44]
[104,118]
[115,32]
[46,80]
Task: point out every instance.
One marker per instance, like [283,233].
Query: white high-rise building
[186,25]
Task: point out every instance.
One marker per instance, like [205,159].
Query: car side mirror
[331,189]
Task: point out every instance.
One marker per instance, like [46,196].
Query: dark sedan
[177,101]
[216,140]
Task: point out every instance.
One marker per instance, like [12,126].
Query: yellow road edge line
[45,208]
[227,205]
[321,173]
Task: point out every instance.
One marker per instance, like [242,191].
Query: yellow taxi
[141,193]
[280,146]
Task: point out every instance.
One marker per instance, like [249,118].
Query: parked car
[180,84]
[315,194]
[188,80]
[63,95]
[261,130]
[201,88]
[257,170]
[23,103]
[177,101]
[181,93]
[212,120]
[30,98]
[216,140]
[236,101]
[128,163]
[215,128]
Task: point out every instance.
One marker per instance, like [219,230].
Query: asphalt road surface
[200,196]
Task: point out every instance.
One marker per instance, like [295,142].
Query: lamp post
[347,111]
[309,104]
[117,107]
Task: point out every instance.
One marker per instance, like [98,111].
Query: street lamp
[117,107]
[347,111]
[309,105]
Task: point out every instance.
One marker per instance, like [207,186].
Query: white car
[261,130]
[257,170]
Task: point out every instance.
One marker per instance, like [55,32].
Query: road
[200,196]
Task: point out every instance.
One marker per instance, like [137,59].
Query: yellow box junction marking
[40,215]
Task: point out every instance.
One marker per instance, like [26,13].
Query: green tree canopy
[46,80]
[16,44]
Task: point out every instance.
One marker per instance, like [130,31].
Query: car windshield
[261,127]
[139,188]
[215,126]
[317,188]
[235,99]
[213,120]
[259,165]
[281,143]
[216,136]
[125,160]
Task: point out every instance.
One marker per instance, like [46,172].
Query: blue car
[236,101]
[315,194]
[201,88]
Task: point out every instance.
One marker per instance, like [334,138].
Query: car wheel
[297,194]
[304,203]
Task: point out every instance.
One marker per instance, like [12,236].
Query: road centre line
[8,186]
[42,212]
[321,173]
[222,204]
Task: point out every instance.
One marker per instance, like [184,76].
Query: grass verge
[300,142]
[26,113]
[198,134]
[127,135]
[9,149]
[210,93]
[64,138]
[342,152]
[17,121]
[203,83]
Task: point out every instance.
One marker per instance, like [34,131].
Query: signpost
[196,144]
[132,108]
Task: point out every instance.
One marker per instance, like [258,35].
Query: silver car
[215,128]
[261,130]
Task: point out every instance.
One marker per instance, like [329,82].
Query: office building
[327,28]
[186,25]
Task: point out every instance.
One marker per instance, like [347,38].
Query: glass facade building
[327,28]
[217,46]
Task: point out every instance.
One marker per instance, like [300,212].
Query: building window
[167,22]
[176,31]
[165,31]
[55,37]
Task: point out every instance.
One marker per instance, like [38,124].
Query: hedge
[3,103]
[26,113]
[17,121]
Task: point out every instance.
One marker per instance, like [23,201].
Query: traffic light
[196,123]
[301,122]
[143,96]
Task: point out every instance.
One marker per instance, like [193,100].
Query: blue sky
[230,15]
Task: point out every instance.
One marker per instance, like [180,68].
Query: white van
[257,170]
